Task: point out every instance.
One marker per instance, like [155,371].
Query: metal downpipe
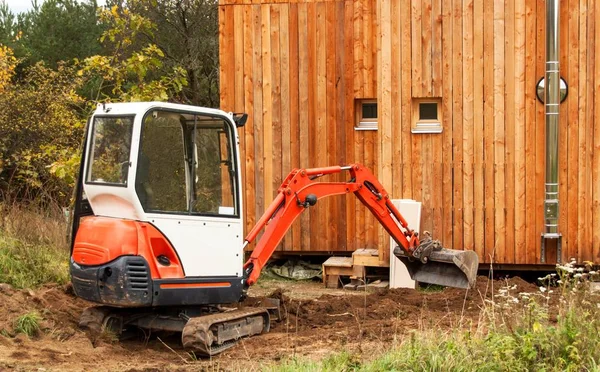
[552,109]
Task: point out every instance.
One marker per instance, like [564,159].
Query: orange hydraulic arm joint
[300,190]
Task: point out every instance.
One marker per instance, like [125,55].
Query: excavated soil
[317,322]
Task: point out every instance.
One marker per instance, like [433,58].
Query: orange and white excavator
[157,228]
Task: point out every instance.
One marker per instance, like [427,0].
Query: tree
[60,30]
[8,23]
[131,72]
[43,112]
[187,33]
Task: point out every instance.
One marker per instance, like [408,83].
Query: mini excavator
[157,225]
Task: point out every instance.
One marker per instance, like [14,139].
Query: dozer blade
[447,267]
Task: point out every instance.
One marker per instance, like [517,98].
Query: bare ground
[318,322]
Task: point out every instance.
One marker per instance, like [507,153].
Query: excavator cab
[158,219]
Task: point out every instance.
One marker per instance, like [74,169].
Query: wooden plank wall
[297,68]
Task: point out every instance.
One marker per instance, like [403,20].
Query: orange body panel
[100,240]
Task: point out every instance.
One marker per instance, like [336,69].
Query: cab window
[161,172]
[185,164]
[111,144]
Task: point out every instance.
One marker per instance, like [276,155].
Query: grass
[28,324]
[33,248]
[572,345]
[34,224]
[516,332]
[27,265]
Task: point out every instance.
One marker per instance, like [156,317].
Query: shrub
[39,125]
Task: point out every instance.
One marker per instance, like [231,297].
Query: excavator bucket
[447,267]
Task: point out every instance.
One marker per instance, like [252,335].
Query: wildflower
[553,275]
[542,289]
[580,269]
[559,281]
[578,275]
[593,272]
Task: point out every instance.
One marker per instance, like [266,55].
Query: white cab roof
[129,108]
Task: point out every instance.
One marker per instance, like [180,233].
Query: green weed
[28,324]
[430,288]
[28,265]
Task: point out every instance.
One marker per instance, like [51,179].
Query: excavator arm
[300,190]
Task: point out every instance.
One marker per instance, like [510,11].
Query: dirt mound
[60,344]
[484,285]
[56,305]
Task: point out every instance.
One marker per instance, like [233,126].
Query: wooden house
[332,82]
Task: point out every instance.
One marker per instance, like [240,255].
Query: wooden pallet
[366,257]
[335,267]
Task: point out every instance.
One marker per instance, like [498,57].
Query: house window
[427,117]
[366,114]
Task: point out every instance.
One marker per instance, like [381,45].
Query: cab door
[187,181]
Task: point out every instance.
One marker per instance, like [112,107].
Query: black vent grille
[138,277]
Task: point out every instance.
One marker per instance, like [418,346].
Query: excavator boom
[426,260]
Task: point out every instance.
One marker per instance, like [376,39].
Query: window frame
[237,192]
[426,126]
[366,123]
[90,153]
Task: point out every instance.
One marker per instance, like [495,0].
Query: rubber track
[197,335]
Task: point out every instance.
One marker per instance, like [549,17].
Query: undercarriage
[206,331]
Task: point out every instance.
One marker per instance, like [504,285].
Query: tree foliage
[8,62]
[39,125]
[130,73]
[187,33]
[63,57]
[53,31]
[7,23]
